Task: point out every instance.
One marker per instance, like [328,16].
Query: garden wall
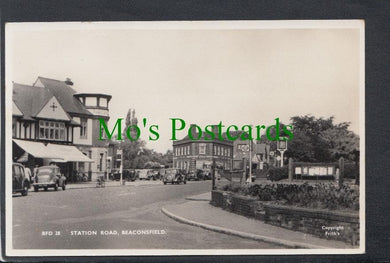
[322,223]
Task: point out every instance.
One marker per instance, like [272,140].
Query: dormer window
[83,128]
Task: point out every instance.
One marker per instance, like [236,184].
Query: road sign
[282,145]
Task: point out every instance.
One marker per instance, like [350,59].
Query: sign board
[282,145]
[243,147]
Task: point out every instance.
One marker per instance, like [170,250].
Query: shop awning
[69,153]
[36,149]
[55,152]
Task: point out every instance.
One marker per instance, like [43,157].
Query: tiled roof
[31,99]
[64,94]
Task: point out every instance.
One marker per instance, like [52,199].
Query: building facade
[51,122]
[199,154]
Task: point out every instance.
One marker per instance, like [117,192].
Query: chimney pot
[69,82]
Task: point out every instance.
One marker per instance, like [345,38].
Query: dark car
[194,176]
[174,176]
[49,176]
[128,175]
[204,174]
[20,183]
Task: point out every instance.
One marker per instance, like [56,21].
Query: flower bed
[321,209]
[322,196]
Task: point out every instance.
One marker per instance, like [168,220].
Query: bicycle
[100,182]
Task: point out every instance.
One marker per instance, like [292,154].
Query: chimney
[69,82]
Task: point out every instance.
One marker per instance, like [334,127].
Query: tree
[320,140]
[135,153]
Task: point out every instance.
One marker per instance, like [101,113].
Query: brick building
[198,154]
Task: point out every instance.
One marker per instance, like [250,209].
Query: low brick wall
[217,198]
[325,224]
[322,223]
[243,205]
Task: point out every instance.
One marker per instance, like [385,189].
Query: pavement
[110,183]
[197,211]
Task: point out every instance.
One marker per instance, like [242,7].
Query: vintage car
[128,175]
[49,176]
[153,175]
[174,176]
[204,174]
[194,176]
[20,183]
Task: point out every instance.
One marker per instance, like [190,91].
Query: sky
[203,75]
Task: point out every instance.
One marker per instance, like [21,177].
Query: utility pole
[121,166]
[249,180]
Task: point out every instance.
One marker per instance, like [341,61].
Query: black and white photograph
[185,138]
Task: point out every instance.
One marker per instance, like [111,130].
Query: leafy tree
[318,140]
[135,153]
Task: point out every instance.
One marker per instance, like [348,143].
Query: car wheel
[36,188]
[45,188]
[165,182]
[63,187]
[25,190]
[56,187]
[185,182]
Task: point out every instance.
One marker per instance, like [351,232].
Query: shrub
[326,196]
[351,170]
[278,173]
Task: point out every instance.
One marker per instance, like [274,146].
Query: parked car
[20,183]
[205,174]
[128,175]
[143,174]
[194,175]
[174,176]
[153,175]
[49,176]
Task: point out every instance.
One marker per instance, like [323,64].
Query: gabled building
[51,122]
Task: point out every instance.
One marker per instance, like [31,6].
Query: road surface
[123,217]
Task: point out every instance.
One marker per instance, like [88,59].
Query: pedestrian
[27,172]
[35,172]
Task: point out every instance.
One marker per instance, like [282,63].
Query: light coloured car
[49,176]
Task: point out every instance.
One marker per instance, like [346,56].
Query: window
[202,148]
[103,102]
[83,128]
[14,127]
[100,168]
[50,130]
[90,101]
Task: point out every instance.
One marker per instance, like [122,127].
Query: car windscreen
[45,170]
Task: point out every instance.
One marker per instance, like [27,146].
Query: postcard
[185,138]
